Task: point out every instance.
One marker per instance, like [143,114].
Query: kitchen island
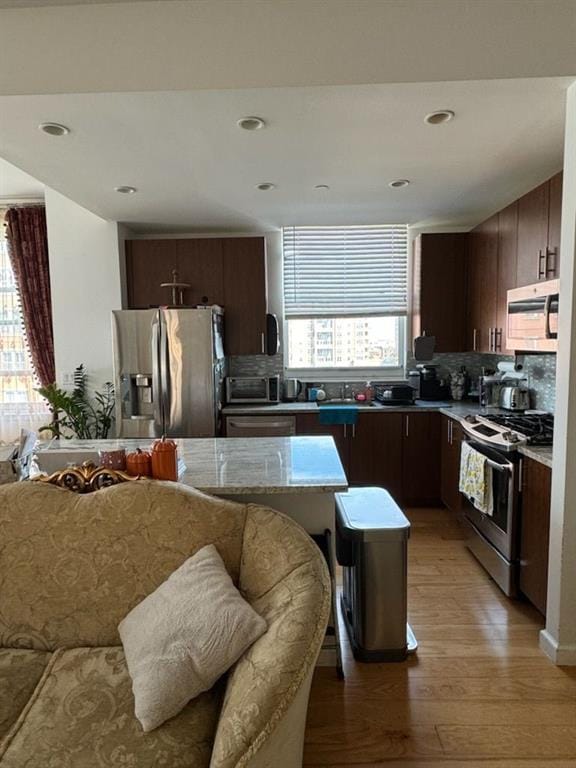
[296,475]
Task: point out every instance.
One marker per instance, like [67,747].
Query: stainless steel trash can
[372,546]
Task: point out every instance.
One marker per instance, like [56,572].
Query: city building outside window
[345,296]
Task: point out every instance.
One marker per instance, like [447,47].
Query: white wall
[85,281]
[98,47]
[559,638]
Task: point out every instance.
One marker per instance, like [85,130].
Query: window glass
[20,405]
[345,342]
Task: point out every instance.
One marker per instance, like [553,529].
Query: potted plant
[76,413]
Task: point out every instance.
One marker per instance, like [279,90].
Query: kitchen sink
[349,401]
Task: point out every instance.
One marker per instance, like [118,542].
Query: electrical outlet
[68,379]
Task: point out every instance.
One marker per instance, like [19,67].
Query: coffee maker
[430,387]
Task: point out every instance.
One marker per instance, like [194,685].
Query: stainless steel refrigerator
[169,369]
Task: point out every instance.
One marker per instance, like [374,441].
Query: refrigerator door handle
[156,378]
[165,375]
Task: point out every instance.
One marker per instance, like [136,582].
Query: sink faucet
[344,391]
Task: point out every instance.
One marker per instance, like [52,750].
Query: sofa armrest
[264,711]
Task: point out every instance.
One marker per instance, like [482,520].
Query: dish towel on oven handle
[476,479]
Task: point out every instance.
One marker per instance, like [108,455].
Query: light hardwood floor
[478,694]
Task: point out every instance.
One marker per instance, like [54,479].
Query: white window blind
[345,271]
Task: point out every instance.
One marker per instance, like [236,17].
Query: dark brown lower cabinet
[376,452]
[451,442]
[396,451]
[309,424]
[535,532]
[420,458]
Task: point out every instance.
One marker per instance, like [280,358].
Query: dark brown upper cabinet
[532,235]
[507,267]
[226,271]
[554,226]
[439,289]
[517,246]
[149,263]
[539,214]
[244,295]
[482,287]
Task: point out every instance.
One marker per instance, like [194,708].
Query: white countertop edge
[262,490]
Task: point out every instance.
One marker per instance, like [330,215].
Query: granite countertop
[457,410]
[303,407]
[541,453]
[234,465]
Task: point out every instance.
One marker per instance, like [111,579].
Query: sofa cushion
[72,566]
[184,636]
[82,716]
[20,672]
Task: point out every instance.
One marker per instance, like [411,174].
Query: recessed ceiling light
[322,187]
[251,123]
[439,116]
[266,186]
[54,129]
[397,183]
[125,190]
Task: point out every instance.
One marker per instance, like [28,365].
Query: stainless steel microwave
[253,389]
[532,320]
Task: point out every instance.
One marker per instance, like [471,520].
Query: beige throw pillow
[180,639]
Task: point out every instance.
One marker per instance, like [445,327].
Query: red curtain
[28,251]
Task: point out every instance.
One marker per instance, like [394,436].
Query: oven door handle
[499,467]
[507,467]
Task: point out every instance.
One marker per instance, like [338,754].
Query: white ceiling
[195,170]
[17,185]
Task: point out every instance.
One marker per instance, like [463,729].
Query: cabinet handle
[541,260]
[262,342]
[448,430]
[451,431]
[490,339]
[407,426]
[353,430]
[345,431]
[520,472]
[498,340]
[474,339]
[551,270]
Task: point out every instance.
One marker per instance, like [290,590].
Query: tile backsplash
[540,370]
[256,365]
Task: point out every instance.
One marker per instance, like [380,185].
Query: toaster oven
[252,389]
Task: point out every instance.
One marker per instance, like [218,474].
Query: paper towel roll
[509,367]
[511,372]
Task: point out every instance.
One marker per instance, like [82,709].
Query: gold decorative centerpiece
[86,478]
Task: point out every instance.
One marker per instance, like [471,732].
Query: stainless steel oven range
[495,539]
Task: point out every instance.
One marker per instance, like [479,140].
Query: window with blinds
[345,297]
[345,271]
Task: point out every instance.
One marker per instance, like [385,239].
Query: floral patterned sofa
[72,566]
